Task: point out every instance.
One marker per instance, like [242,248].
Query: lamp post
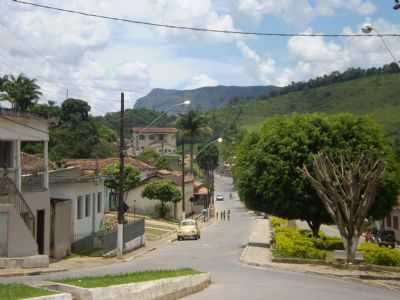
[218,140]
[369,28]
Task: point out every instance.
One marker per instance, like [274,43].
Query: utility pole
[183,177]
[121,209]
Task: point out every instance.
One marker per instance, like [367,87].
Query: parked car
[219,197]
[188,229]
[386,238]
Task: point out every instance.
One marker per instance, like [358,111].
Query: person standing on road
[216,214]
[229,214]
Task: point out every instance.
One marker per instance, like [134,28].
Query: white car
[219,197]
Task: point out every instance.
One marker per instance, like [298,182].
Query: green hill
[377,96]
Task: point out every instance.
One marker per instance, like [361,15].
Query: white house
[161,140]
[24,195]
[86,193]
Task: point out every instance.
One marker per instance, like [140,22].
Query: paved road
[218,252]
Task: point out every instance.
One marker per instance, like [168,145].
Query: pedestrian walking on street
[223,213]
[229,214]
[216,214]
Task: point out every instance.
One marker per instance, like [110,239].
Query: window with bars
[99,202]
[79,207]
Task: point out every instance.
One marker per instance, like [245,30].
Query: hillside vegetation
[377,96]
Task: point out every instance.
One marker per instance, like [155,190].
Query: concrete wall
[41,201]
[17,128]
[20,241]
[62,228]
[83,226]
[148,207]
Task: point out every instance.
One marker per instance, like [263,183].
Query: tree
[131,180]
[192,124]
[75,109]
[266,166]
[163,190]
[208,162]
[20,91]
[154,158]
[347,186]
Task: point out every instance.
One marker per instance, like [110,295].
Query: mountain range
[205,98]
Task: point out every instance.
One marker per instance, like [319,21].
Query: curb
[31,273]
[168,288]
[294,261]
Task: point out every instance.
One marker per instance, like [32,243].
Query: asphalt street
[218,252]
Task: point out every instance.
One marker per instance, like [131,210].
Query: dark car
[386,238]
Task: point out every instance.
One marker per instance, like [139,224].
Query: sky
[95,59]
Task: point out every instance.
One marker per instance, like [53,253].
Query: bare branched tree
[347,186]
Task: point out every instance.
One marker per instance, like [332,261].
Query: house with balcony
[161,140]
[24,192]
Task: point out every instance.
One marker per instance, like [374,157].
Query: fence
[107,241]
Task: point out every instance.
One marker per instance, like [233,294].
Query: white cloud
[316,56]
[302,12]
[201,80]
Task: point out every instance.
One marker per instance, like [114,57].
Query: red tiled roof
[34,162]
[201,191]
[93,164]
[175,176]
[154,130]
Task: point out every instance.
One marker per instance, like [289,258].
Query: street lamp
[369,28]
[184,103]
[218,140]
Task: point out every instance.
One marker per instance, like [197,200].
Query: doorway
[40,230]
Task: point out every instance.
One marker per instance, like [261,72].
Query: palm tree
[20,91]
[192,124]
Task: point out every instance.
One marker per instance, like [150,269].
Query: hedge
[376,255]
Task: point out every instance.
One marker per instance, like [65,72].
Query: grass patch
[20,291]
[153,234]
[94,282]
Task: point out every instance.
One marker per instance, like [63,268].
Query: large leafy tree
[163,190]
[78,135]
[266,171]
[193,124]
[75,109]
[21,91]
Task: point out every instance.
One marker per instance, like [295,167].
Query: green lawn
[94,282]
[19,291]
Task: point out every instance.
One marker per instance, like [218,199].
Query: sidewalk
[83,262]
[257,254]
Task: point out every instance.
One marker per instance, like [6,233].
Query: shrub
[373,254]
[278,222]
[328,243]
[289,242]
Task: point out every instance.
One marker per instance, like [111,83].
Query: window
[396,222]
[79,207]
[389,221]
[87,206]
[142,137]
[151,137]
[5,154]
[160,137]
[99,202]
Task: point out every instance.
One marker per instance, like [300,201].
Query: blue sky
[95,59]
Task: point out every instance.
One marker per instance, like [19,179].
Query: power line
[199,29]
